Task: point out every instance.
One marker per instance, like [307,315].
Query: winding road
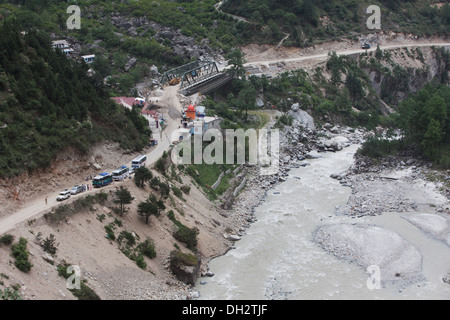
[36,208]
[323,56]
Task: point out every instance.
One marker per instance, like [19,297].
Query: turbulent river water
[278,259]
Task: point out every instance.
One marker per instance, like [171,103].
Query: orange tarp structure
[190,112]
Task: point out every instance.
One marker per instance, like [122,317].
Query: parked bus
[103,179]
[121,173]
[139,161]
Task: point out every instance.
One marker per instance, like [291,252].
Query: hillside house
[88,58]
[60,44]
[64,46]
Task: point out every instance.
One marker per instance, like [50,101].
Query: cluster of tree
[48,103]
[269,22]
[425,126]
[302,18]
[348,88]
[424,119]
[151,206]
[21,254]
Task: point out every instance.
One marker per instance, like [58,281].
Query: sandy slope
[81,238]
[81,241]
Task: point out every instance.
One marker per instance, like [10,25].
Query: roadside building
[152,115]
[200,111]
[191,113]
[195,120]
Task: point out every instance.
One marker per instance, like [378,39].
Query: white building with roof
[64,46]
[88,58]
[60,44]
[211,123]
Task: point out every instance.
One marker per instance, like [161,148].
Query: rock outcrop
[302,117]
[185,266]
[182,45]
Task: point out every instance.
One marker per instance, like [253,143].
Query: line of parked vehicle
[105,178]
[66,193]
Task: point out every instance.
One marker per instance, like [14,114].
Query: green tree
[432,140]
[354,86]
[20,252]
[147,248]
[122,198]
[424,120]
[10,294]
[49,244]
[141,176]
[147,209]
[435,108]
[235,59]
[246,99]
[102,66]
[7,239]
[378,53]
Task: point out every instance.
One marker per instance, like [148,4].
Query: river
[278,259]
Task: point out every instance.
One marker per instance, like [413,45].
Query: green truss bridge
[197,77]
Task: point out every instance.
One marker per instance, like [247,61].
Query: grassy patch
[208,175]
[20,253]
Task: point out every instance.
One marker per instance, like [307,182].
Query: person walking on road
[46,200]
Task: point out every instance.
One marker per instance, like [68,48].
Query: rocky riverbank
[395,184]
[299,143]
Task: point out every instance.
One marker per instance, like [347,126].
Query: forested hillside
[150,30]
[48,103]
[307,21]
[160,33]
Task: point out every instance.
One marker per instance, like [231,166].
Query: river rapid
[278,258]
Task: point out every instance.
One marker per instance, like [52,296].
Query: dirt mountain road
[263,57]
[37,207]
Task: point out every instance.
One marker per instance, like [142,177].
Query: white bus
[121,173]
[139,161]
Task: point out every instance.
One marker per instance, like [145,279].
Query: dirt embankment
[80,240]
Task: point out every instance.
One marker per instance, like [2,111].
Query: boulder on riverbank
[303,117]
[185,266]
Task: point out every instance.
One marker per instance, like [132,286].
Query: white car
[63,195]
